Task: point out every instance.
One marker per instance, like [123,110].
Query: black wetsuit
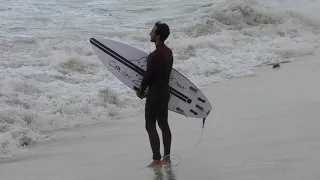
[159,66]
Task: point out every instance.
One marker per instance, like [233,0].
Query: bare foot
[155,164]
[166,161]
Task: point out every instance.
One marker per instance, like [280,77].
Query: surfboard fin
[180,111]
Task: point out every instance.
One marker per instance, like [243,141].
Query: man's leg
[164,126]
[151,117]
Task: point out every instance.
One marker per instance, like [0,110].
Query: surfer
[156,77]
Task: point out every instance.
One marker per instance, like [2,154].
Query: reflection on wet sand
[168,175]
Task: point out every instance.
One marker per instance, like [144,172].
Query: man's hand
[141,95]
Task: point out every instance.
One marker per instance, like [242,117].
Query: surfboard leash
[203,122]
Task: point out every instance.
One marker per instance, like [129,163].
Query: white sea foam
[50,77]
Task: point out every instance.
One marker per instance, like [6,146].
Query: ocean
[51,78]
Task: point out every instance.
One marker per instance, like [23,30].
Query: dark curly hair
[163,30]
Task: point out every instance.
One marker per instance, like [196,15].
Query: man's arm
[148,75]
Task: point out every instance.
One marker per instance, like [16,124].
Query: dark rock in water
[276,66]
[26,141]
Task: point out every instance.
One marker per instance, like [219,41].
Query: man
[156,77]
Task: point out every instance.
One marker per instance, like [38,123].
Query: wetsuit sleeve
[148,74]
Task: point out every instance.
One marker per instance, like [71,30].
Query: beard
[153,39]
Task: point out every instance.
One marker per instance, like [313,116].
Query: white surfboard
[129,64]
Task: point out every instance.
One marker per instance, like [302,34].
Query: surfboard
[129,64]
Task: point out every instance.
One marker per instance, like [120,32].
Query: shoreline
[260,71]
[260,126]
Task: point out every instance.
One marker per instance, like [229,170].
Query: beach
[65,116]
[261,127]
